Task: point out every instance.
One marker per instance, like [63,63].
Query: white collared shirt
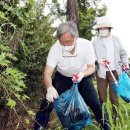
[68,64]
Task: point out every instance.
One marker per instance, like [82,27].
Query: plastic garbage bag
[72,110]
[123,88]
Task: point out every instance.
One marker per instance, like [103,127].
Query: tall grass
[123,120]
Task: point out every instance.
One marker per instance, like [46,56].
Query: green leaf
[27,121]
[17,96]
[20,83]
[11,71]
[18,89]
[31,2]
[11,103]
[4,48]
[24,97]
[11,56]
[4,62]
[30,112]
[2,15]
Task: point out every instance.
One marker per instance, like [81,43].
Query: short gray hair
[69,26]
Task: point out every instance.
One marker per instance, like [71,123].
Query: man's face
[67,40]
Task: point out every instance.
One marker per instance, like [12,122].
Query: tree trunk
[72,11]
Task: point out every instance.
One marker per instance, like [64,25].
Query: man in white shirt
[71,56]
[110,48]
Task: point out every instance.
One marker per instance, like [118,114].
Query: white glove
[125,67]
[78,77]
[101,61]
[51,94]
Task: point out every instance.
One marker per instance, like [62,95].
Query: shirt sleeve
[90,56]
[52,57]
[123,53]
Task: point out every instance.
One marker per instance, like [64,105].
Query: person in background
[108,47]
[71,56]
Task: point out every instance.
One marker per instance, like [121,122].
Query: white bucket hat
[103,22]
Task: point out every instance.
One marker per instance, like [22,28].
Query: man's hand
[51,94]
[78,77]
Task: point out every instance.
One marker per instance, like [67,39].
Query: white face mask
[68,48]
[104,33]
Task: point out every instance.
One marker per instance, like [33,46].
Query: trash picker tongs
[107,66]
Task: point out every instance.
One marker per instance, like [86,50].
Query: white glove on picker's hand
[104,62]
[78,77]
[51,94]
[101,61]
[125,67]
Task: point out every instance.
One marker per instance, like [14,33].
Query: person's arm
[47,76]
[52,93]
[123,53]
[90,70]
[89,57]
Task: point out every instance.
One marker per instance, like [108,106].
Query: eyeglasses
[67,54]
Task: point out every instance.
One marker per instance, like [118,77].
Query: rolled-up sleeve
[52,57]
[90,55]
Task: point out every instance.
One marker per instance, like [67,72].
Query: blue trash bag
[123,88]
[72,110]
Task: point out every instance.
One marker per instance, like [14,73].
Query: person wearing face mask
[74,61]
[108,47]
